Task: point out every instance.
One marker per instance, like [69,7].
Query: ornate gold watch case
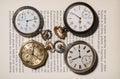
[33,54]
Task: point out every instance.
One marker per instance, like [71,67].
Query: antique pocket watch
[34,54]
[79,56]
[80,19]
[29,22]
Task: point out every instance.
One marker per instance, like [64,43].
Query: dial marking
[29,28]
[69,18]
[71,51]
[80,27]
[75,26]
[84,65]
[28,12]
[85,9]
[84,47]
[74,48]
[71,13]
[25,29]
[18,19]
[32,13]
[35,18]
[79,7]
[71,23]
[88,22]
[74,9]
[84,26]
[71,61]
[33,25]
[18,24]
[79,66]
[21,27]
[35,21]
[79,46]
[69,57]
[74,65]
[88,51]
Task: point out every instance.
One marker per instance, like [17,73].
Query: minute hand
[30,20]
[76,15]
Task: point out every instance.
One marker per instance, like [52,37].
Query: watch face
[27,21]
[33,54]
[79,18]
[80,57]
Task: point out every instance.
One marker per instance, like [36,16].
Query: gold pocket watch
[34,54]
[80,19]
[79,56]
[29,22]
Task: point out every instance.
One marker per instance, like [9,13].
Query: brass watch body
[33,54]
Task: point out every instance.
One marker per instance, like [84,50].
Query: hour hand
[32,19]
[75,58]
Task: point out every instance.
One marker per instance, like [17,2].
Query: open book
[105,40]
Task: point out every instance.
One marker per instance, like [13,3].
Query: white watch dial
[80,18]
[80,57]
[27,21]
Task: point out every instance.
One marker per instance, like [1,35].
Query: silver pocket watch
[80,19]
[79,56]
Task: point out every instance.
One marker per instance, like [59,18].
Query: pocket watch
[34,54]
[28,21]
[80,19]
[79,56]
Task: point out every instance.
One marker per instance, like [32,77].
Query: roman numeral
[71,61]
[79,66]
[88,51]
[74,65]
[84,65]
[84,47]
[71,51]
[69,57]
[79,46]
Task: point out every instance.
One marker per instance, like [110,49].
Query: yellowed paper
[105,40]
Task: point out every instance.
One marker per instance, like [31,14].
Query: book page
[104,40]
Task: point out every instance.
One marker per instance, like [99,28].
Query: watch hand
[75,58]
[78,56]
[31,19]
[76,15]
[37,57]
[85,59]
[33,50]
